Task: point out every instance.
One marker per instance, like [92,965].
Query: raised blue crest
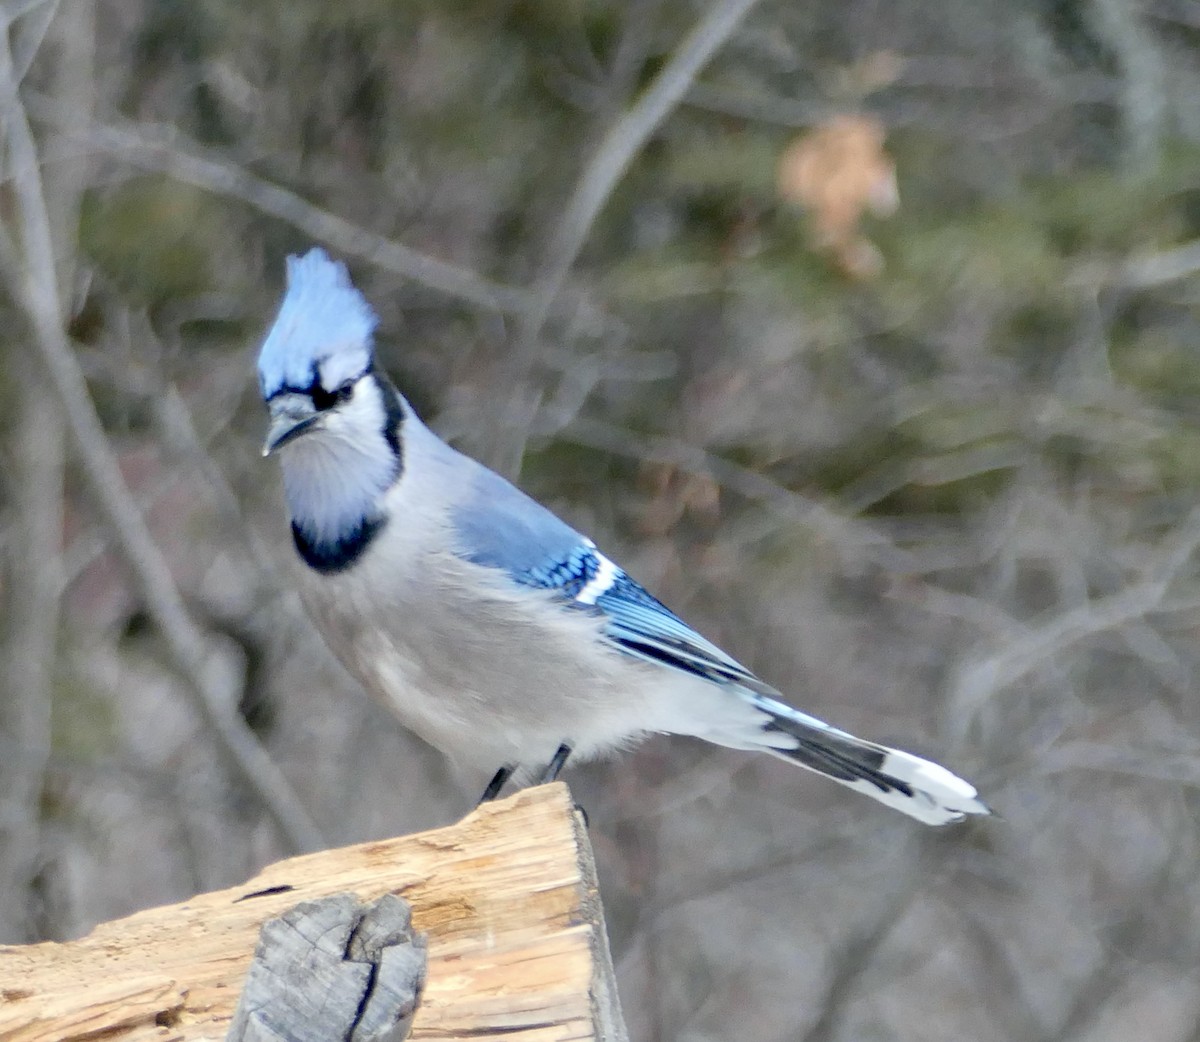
[323,330]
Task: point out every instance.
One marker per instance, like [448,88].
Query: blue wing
[500,527]
[641,625]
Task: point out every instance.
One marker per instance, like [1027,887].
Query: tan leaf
[839,171]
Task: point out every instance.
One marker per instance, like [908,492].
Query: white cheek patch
[361,416]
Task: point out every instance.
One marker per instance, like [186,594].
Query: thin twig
[177,428]
[763,108]
[1158,268]
[36,16]
[612,156]
[854,539]
[978,680]
[857,957]
[35,569]
[167,152]
[12,10]
[1176,767]
[34,283]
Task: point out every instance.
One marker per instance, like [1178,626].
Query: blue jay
[491,628]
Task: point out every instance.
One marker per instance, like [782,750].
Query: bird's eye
[323,399]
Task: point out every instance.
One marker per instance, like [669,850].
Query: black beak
[290,419]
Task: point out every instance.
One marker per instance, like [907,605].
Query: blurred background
[865,334]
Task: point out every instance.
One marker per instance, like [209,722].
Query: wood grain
[507,898]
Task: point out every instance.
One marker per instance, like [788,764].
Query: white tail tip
[939,797]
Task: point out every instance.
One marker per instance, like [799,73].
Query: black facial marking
[393,415]
[332,556]
[323,399]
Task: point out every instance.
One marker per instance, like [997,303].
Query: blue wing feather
[643,626]
[568,576]
[500,527]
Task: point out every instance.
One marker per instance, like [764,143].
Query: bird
[490,627]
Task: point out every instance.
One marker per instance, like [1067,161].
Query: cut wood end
[507,897]
[333,970]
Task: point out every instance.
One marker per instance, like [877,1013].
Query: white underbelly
[488,674]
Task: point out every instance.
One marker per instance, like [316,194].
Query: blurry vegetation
[943,496]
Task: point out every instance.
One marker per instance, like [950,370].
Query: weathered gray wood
[386,940]
[333,970]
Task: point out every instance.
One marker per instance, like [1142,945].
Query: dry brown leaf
[839,171]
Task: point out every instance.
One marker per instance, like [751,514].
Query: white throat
[334,477]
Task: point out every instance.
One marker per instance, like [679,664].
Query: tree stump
[507,899]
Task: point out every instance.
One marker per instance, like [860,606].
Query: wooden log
[507,898]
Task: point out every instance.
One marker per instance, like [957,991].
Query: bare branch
[33,30]
[1172,766]
[35,285]
[853,538]
[167,152]
[984,676]
[857,958]
[785,112]
[612,156]
[36,563]
[14,9]
[1143,67]
[36,567]
[1158,268]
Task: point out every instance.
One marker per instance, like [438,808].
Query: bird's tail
[920,788]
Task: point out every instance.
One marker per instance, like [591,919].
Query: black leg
[496,784]
[555,766]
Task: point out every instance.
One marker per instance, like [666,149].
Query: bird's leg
[497,783]
[555,766]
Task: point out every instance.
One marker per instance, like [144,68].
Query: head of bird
[334,419]
[316,368]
